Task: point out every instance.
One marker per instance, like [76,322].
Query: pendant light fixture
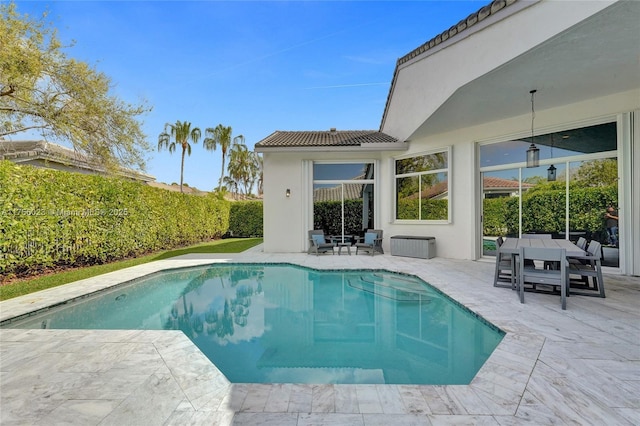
[533,153]
[551,171]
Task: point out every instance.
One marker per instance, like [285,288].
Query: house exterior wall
[458,239]
[287,220]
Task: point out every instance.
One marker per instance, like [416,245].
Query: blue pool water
[279,323]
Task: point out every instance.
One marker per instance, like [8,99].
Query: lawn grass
[30,285]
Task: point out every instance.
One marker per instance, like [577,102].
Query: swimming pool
[280,323]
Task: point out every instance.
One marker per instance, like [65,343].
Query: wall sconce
[287,193]
[533,153]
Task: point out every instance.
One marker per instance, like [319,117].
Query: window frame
[448,171]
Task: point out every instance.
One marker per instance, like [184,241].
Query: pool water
[280,323]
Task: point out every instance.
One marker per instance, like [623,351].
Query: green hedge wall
[431,209]
[49,218]
[245,219]
[327,215]
[544,210]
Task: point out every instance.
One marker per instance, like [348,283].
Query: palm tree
[181,133]
[239,165]
[220,136]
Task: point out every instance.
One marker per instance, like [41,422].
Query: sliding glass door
[566,196]
[343,199]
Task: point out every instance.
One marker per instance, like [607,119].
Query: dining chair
[589,265]
[537,236]
[503,263]
[582,244]
[532,275]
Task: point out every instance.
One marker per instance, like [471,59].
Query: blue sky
[255,66]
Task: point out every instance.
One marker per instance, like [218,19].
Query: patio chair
[318,243]
[590,265]
[582,243]
[537,236]
[503,263]
[372,242]
[535,276]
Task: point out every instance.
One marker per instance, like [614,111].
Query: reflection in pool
[279,323]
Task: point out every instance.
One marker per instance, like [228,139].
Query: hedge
[50,218]
[544,210]
[246,219]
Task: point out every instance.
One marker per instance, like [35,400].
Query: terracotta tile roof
[333,137]
[352,192]
[495,183]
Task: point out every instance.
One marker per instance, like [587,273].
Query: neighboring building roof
[493,183]
[372,139]
[176,188]
[490,184]
[53,156]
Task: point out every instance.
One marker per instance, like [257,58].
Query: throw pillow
[318,239]
[370,237]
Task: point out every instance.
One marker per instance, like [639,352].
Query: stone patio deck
[579,366]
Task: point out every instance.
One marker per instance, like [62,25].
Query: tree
[240,165]
[598,173]
[218,136]
[43,90]
[181,133]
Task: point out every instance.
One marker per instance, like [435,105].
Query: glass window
[343,199]
[422,187]
[569,203]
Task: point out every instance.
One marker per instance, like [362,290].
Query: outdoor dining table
[511,246]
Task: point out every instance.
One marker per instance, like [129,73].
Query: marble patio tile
[396,420]
[368,399]
[390,399]
[623,370]
[440,401]
[234,397]
[346,399]
[300,399]
[535,415]
[324,400]
[413,399]
[501,382]
[627,351]
[197,418]
[462,420]
[512,361]
[329,419]
[151,403]
[278,400]
[81,412]
[570,404]
[497,404]
[467,398]
[256,398]
[632,415]
[599,384]
[211,400]
[265,419]
[581,350]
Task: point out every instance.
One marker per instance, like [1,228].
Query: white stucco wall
[458,239]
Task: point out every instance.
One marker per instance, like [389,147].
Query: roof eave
[392,146]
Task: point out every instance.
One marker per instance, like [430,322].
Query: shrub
[245,219]
[50,218]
